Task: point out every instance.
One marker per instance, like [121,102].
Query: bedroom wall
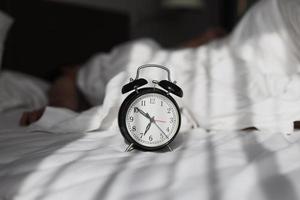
[47,35]
[61,33]
[134,8]
[148,18]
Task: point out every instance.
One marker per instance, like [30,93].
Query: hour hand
[142,112]
[147,128]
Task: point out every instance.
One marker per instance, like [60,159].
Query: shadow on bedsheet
[212,172]
[141,174]
[174,166]
[53,143]
[33,149]
[271,183]
[107,187]
[63,169]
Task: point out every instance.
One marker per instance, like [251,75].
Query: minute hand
[159,128]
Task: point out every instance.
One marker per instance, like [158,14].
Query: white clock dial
[152,120]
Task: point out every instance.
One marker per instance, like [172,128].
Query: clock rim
[125,106]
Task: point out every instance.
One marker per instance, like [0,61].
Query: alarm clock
[149,117]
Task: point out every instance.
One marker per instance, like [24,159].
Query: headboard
[47,35]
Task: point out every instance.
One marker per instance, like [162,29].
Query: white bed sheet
[203,165]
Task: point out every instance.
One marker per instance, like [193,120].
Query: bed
[214,165]
[68,155]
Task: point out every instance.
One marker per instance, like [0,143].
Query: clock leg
[129,148]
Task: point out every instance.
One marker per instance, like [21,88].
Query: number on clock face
[152,119]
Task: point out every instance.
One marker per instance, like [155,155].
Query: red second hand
[157,120]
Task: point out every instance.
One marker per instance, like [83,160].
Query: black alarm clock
[149,118]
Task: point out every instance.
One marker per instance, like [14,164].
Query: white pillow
[5,23]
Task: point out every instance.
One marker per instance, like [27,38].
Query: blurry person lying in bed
[248,79]
[64,92]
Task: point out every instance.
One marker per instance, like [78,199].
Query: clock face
[152,120]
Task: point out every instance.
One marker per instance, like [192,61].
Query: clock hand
[143,113]
[162,121]
[147,128]
[159,127]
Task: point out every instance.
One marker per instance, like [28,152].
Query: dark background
[49,34]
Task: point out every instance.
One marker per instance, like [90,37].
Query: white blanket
[248,79]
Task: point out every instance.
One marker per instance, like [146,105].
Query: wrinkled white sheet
[250,78]
[217,165]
